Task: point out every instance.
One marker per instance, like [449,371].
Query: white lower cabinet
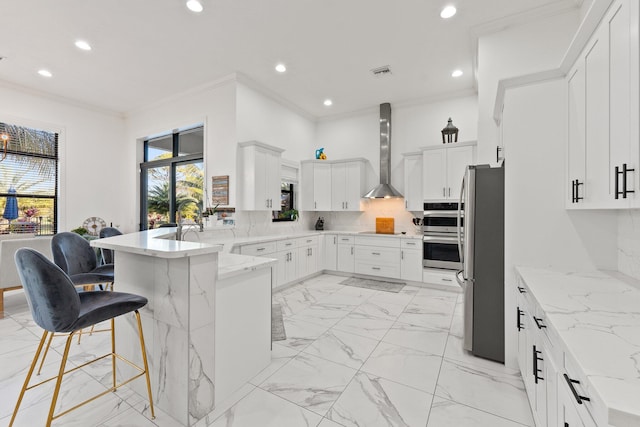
[307,256]
[346,254]
[543,366]
[330,252]
[411,260]
[377,256]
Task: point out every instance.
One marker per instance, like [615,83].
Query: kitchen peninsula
[195,300]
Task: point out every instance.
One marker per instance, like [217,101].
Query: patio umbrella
[11,206]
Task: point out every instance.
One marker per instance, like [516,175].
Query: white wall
[529,48]
[215,106]
[629,242]
[91,144]
[413,127]
[539,231]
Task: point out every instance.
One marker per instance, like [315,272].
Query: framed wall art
[220,190]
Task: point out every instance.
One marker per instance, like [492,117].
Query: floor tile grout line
[481,410]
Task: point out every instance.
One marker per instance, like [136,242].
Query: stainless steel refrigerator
[481,247]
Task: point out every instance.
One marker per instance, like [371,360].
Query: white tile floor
[353,357]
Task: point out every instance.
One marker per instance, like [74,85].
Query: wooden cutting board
[384,225]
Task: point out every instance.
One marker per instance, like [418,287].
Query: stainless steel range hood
[384,190]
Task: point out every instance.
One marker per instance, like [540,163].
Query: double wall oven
[440,236]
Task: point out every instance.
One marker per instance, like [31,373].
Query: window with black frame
[287,211]
[172,178]
[28,180]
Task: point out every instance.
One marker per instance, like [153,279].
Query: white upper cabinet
[258,176]
[602,104]
[413,198]
[316,185]
[347,185]
[443,169]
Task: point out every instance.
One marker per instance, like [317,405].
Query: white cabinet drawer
[378,270]
[378,255]
[345,240]
[259,249]
[284,245]
[308,241]
[592,410]
[411,244]
[440,277]
[387,242]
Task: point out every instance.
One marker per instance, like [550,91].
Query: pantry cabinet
[258,176]
[602,114]
[413,198]
[443,169]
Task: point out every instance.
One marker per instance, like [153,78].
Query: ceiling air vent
[381,71]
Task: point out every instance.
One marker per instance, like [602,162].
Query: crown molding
[60,99]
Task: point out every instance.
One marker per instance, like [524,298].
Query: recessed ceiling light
[281,68]
[328,102]
[456,73]
[195,6]
[83,45]
[45,73]
[448,12]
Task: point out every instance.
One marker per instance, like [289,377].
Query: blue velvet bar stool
[58,308]
[107,254]
[75,256]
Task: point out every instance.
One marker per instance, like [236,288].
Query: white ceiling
[147,50]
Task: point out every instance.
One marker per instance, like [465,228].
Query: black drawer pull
[571,382]
[522,290]
[539,322]
[519,314]
[536,359]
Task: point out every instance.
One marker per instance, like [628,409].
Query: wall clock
[94,224]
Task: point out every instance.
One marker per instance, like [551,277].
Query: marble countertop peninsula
[231,265]
[597,316]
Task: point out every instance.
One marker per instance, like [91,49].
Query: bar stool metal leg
[56,391]
[143,348]
[26,381]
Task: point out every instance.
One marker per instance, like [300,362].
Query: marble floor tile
[365,325]
[376,402]
[392,298]
[417,337]
[280,355]
[404,365]
[323,314]
[300,333]
[445,413]
[363,293]
[495,392]
[128,418]
[433,312]
[342,347]
[310,382]
[261,408]
[381,309]
[20,336]
[223,406]
[345,299]
[328,423]
[455,352]
[431,292]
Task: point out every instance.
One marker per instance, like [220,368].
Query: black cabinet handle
[573,191]
[571,382]
[519,315]
[522,290]
[498,148]
[536,359]
[577,195]
[539,323]
[622,172]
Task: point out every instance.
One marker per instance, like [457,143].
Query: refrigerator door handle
[459,222]
[460,279]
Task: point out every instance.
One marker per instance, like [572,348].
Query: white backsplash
[629,242]
[258,223]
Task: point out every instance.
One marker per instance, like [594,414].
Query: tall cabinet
[413,199]
[443,168]
[258,176]
[602,114]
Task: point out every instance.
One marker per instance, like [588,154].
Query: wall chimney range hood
[384,190]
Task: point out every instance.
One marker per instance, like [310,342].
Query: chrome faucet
[180,226]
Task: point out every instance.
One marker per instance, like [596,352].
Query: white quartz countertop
[158,242]
[597,316]
[231,265]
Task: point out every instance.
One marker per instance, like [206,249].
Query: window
[28,181]
[172,178]
[287,210]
